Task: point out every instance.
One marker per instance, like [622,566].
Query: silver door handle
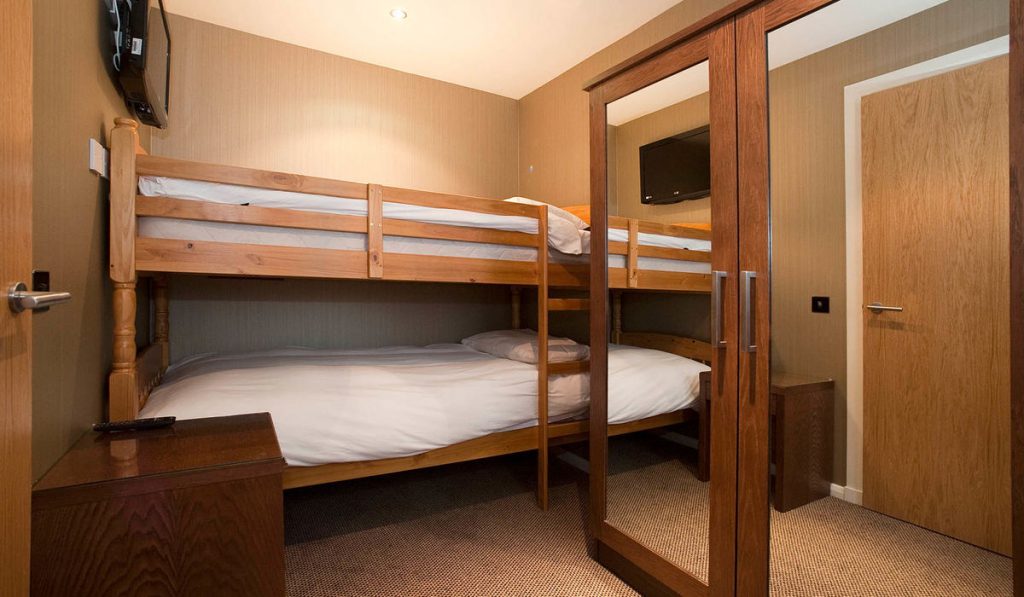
[879,307]
[19,299]
[749,345]
[717,278]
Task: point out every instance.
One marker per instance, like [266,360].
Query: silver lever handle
[717,278]
[747,324]
[879,307]
[19,299]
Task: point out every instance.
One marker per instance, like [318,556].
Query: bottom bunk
[345,414]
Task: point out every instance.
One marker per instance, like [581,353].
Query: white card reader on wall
[99,159]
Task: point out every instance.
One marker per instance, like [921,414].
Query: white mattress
[354,405]
[170,228]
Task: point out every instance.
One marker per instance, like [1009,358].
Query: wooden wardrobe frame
[135,372]
[746,468]
[644,569]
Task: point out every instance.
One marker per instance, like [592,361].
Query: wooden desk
[802,443]
[195,509]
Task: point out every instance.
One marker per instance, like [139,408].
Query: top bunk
[174,216]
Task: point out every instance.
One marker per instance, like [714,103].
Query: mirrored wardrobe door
[875,401]
[663,379]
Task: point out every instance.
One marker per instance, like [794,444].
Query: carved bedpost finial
[122,122]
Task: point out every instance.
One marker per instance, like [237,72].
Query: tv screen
[145,62]
[677,168]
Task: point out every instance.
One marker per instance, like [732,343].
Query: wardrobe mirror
[890,409]
[659,206]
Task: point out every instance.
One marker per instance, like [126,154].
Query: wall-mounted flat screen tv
[144,59]
[677,168]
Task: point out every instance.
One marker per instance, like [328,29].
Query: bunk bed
[170,216]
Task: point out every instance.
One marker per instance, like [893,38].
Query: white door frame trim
[854,490]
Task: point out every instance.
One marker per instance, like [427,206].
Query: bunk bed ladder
[547,369]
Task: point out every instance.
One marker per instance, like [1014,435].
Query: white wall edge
[853,492]
[847,494]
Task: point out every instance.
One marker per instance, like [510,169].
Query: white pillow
[554,211]
[565,237]
[521,345]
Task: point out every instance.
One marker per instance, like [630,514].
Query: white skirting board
[848,494]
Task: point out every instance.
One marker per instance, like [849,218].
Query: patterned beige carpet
[473,529]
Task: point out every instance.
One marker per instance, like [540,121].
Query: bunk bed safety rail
[633,250]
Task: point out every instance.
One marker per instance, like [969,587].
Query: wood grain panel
[753,383]
[1017,286]
[190,544]
[15,264]
[207,257]
[936,376]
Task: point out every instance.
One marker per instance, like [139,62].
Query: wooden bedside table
[801,439]
[194,509]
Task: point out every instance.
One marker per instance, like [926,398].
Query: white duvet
[353,405]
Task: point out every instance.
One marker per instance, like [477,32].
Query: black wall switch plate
[41,283]
[819,304]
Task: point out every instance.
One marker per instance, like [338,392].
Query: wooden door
[15,263]
[936,375]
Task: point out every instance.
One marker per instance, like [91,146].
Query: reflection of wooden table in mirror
[801,438]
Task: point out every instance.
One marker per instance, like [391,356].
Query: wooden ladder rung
[569,367]
[568,304]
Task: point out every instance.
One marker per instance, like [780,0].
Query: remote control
[133,425]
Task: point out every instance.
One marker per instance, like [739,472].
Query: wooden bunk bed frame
[135,372]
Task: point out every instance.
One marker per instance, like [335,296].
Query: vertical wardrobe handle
[717,278]
[747,323]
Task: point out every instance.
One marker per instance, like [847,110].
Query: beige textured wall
[224,315]
[250,101]
[245,100]
[554,150]
[808,180]
[74,99]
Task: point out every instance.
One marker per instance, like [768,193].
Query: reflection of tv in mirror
[677,168]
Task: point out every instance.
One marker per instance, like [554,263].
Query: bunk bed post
[617,316]
[632,254]
[161,319]
[517,307]
[542,358]
[123,398]
[375,231]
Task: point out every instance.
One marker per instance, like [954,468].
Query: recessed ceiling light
[398,14]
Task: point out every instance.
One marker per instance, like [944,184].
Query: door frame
[634,562]
[16,265]
[853,490]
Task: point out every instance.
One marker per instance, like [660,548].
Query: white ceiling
[507,47]
[831,26]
